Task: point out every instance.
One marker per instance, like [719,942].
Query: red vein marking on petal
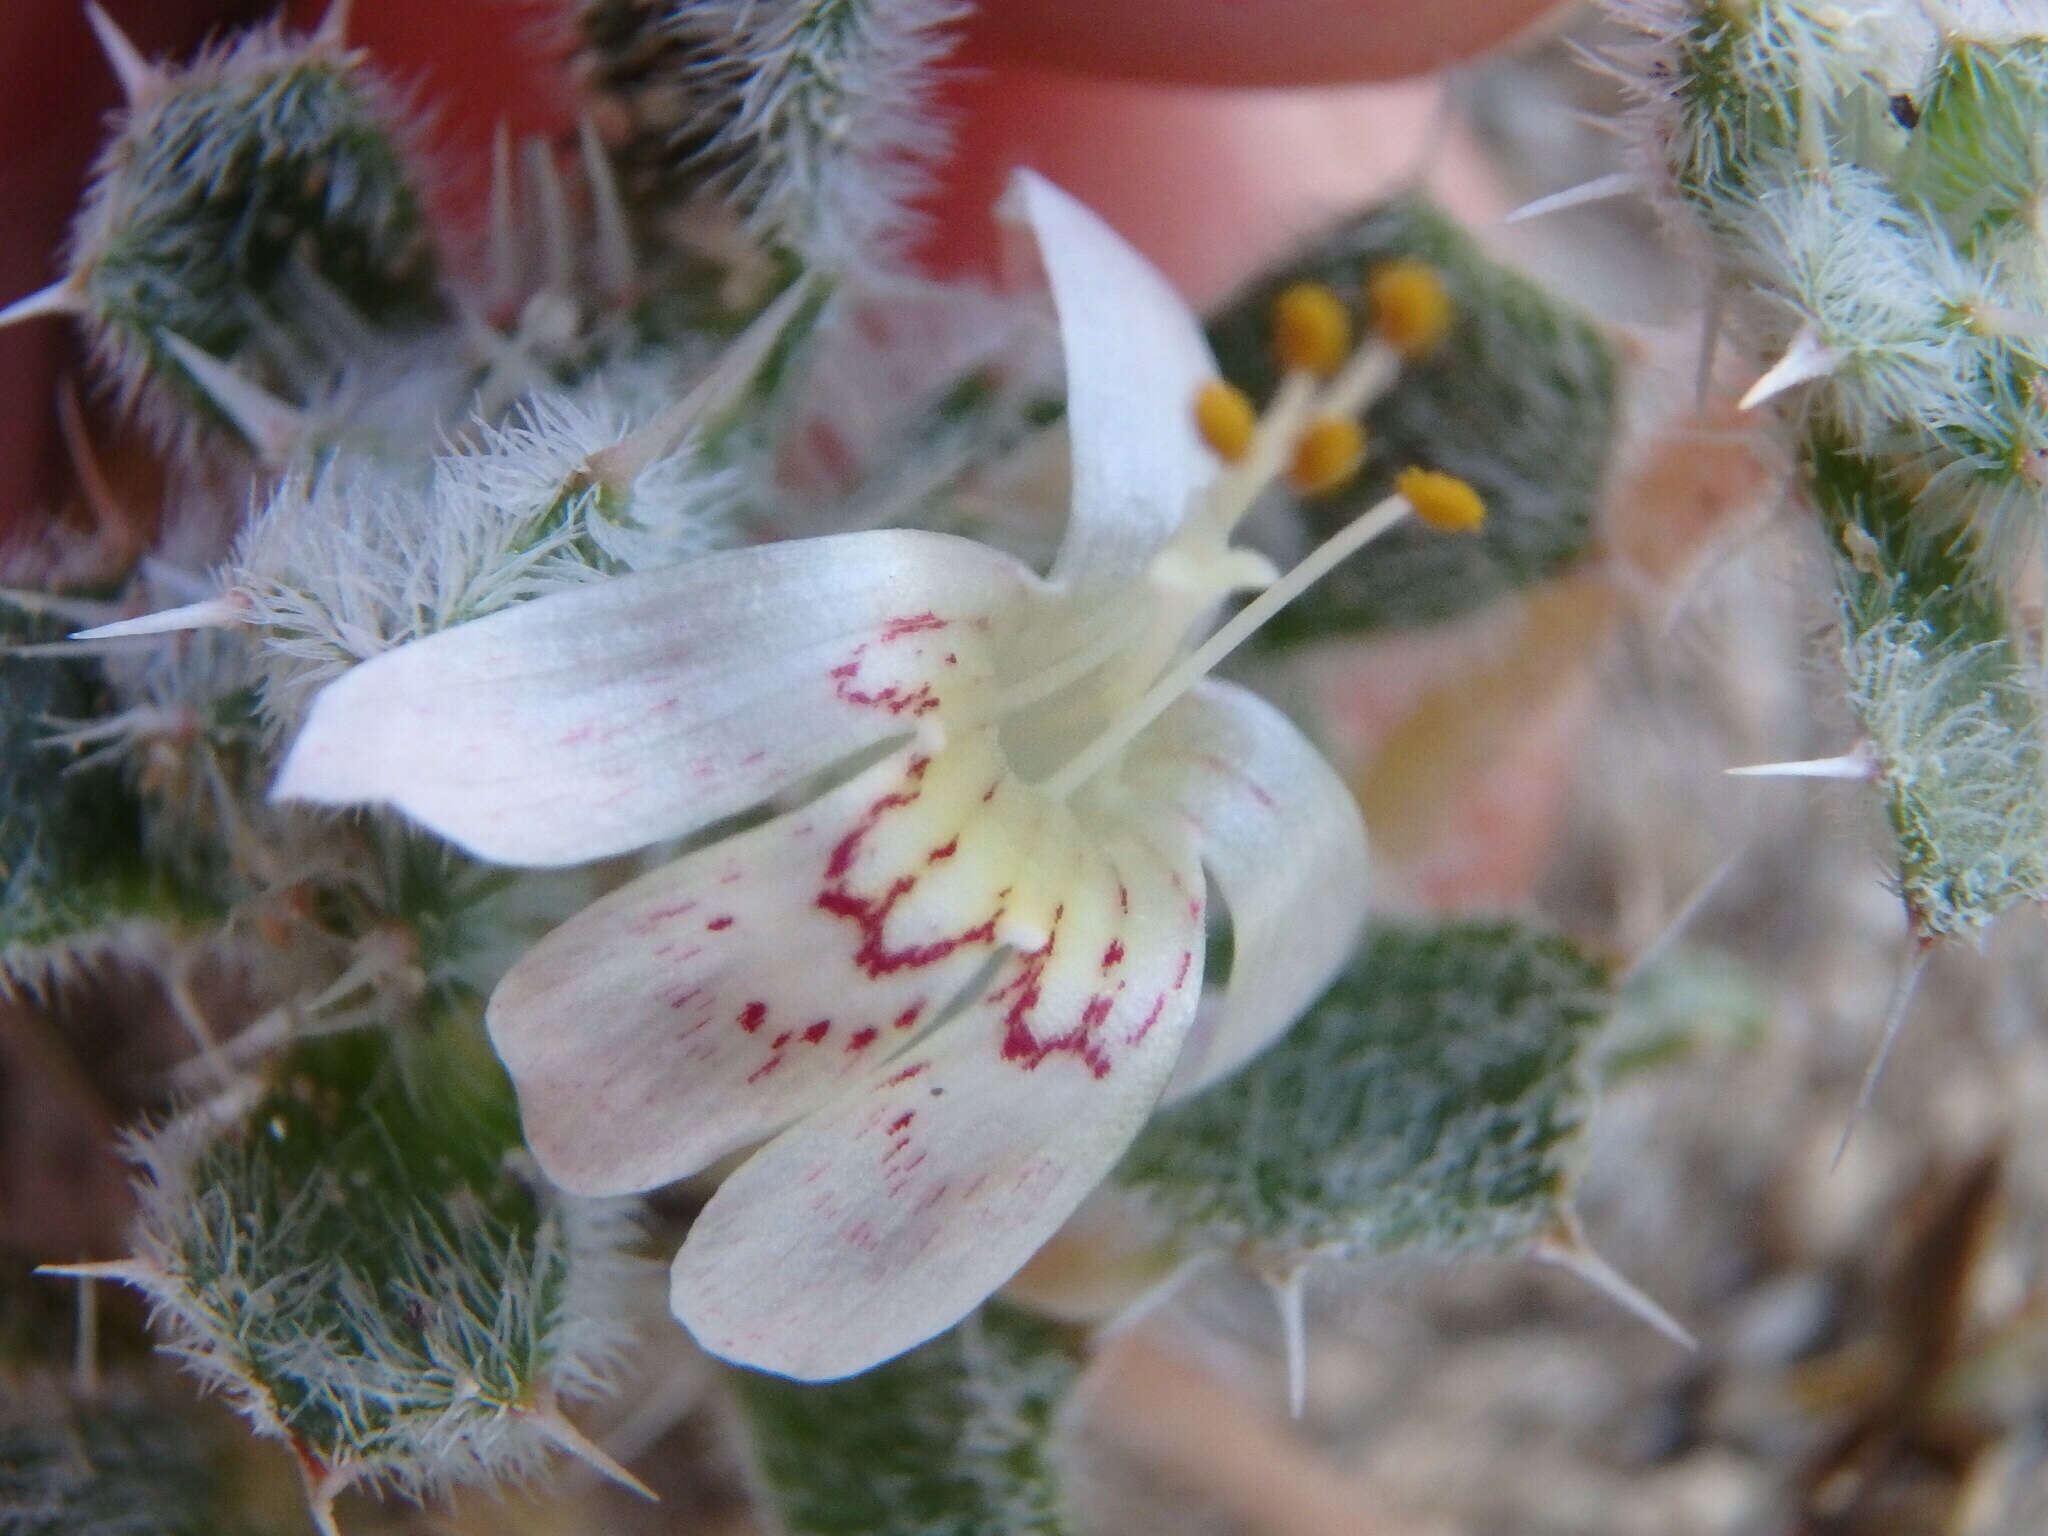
[1113,956]
[892,697]
[764,1069]
[652,919]
[862,1039]
[895,1127]
[952,659]
[781,1040]
[1230,770]
[916,624]
[874,956]
[815,1032]
[907,1073]
[1022,1045]
[752,1015]
[1145,1028]
[849,845]
[908,1016]
[1187,959]
[871,913]
[1123,898]
[683,999]
[945,850]
[577,737]
[990,793]
[719,924]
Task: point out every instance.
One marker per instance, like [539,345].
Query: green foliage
[1432,1099]
[1518,399]
[1949,705]
[808,117]
[1860,180]
[362,1268]
[956,1438]
[1977,156]
[1690,1003]
[70,842]
[241,196]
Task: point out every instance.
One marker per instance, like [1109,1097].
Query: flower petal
[1135,358]
[1281,835]
[713,1001]
[890,1213]
[598,720]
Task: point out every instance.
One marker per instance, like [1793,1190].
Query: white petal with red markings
[708,1004]
[887,1215]
[594,721]
[1281,835]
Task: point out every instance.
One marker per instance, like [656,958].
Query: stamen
[1445,502]
[1326,455]
[1354,536]
[1370,374]
[1311,329]
[1225,418]
[1232,493]
[1410,309]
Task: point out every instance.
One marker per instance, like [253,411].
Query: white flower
[950,989]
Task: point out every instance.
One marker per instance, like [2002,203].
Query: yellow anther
[1311,329]
[1226,420]
[1443,501]
[1410,309]
[1326,455]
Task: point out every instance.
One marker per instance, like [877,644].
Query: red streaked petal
[888,1214]
[713,1001]
[597,720]
[1281,835]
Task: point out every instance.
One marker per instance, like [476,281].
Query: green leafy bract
[1432,1099]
